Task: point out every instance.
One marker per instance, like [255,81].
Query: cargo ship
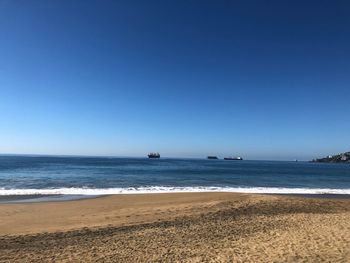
[212,157]
[153,155]
[238,158]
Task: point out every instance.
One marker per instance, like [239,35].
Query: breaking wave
[165,189]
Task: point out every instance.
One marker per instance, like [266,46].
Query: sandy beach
[186,227]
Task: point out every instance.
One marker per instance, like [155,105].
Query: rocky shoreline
[339,158]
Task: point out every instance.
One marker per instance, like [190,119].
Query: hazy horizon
[171,156]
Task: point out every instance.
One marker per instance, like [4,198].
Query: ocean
[46,176]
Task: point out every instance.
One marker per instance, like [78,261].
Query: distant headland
[339,158]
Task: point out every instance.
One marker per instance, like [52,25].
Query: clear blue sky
[261,79]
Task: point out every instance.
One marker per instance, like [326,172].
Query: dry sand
[195,227]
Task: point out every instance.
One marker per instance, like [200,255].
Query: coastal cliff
[339,158]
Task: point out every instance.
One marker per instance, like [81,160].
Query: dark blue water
[83,175]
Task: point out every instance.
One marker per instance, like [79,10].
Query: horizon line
[125,156]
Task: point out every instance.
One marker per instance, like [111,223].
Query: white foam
[160,189]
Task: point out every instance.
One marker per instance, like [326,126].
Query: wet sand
[193,227]
[9,199]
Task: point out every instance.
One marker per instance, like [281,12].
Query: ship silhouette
[153,155]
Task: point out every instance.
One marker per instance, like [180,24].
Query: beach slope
[194,227]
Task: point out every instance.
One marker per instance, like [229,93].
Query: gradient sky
[261,79]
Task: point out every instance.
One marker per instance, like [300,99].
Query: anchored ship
[212,157]
[153,155]
[238,158]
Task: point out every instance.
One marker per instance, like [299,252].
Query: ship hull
[153,157]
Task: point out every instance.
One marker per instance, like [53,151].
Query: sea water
[40,175]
